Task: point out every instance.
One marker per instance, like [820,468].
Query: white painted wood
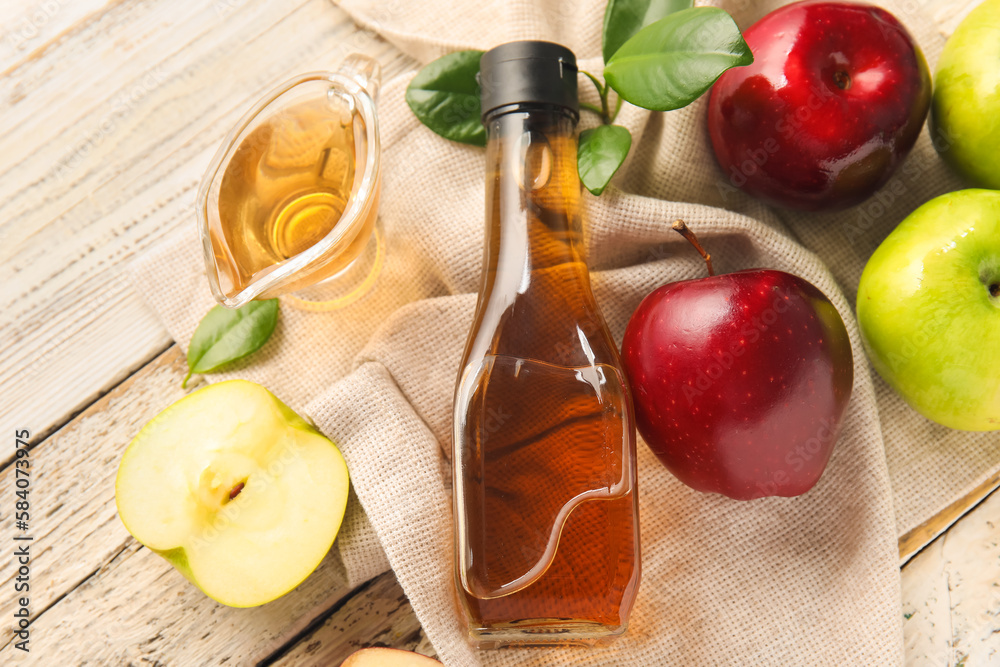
[949,13]
[95,592]
[106,135]
[74,521]
[29,27]
[110,115]
[379,615]
[951,594]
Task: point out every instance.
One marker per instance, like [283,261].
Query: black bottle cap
[528,72]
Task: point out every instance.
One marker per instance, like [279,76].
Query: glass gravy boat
[290,201]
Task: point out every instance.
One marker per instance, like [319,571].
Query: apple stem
[995,290]
[683,230]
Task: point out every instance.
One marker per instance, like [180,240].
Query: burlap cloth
[808,580]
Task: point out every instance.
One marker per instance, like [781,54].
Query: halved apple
[388,657]
[235,490]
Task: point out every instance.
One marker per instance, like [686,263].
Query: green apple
[929,309]
[235,490]
[965,110]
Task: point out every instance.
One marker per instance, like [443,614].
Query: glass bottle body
[547,535]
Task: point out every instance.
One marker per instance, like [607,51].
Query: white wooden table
[110,111]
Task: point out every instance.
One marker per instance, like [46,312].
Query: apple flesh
[235,490]
[388,657]
[929,310]
[740,381]
[833,102]
[965,113]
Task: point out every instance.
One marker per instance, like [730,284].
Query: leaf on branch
[602,151]
[225,335]
[624,18]
[670,63]
[445,97]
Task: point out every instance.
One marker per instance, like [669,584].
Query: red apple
[833,102]
[740,381]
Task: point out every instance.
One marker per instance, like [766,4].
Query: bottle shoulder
[553,320]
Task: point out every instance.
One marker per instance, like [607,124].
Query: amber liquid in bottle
[547,535]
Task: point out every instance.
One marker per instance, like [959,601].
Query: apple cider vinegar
[288,184]
[547,534]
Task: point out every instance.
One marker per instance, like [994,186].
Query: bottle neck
[533,189]
[535,301]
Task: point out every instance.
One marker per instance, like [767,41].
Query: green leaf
[225,335]
[669,64]
[624,18]
[602,151]
[445,97]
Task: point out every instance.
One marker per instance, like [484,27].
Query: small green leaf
[624,18]
[445,97]
[602,151]
[225,335]
[669,64]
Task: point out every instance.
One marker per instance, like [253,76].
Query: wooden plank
[915,540]
[947,14]
[30,28]
[89,568]
[73,517]
[377,614]
[109,134]
[95,591]
[138,610]
[951,594]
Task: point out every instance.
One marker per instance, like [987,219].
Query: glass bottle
[546,511]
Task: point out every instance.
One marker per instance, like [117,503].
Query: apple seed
[236,489]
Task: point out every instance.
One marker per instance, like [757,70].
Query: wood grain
[915,540]
[28,28]
[951,594]
[947,14]
[99,594]
[378,615]
[111,111]
[96,592]
[107,133]
[74,523]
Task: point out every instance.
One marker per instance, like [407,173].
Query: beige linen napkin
[808,580]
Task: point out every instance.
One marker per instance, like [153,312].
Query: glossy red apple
[740,381]
[833,102]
